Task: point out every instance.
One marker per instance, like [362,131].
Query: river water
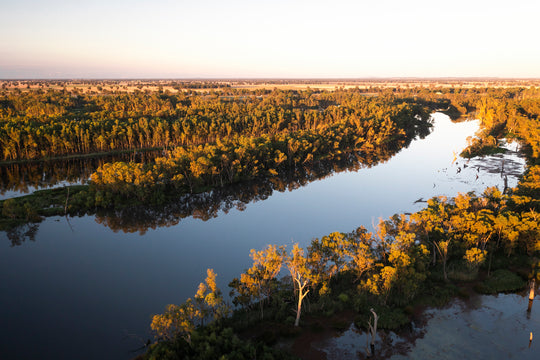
[86,287]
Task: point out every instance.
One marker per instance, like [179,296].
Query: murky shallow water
[483,327]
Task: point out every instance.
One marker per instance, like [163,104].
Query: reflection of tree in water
[207,205]
[22,176]
[22,233]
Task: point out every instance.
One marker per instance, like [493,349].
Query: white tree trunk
[298,309]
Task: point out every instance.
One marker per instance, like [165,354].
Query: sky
[268,38]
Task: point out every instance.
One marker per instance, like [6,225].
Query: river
[82,288]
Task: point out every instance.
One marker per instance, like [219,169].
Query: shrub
[502,281]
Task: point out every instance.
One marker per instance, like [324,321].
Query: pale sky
[269,38]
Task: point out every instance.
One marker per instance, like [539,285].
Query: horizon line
[374,78]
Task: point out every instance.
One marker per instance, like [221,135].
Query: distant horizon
[374,78]
[278,39]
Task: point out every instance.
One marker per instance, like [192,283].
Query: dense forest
[49,124]
[281,139]
[206,141]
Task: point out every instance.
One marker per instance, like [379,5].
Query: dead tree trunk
[531,295]
[373,331]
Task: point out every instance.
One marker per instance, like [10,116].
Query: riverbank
[477,327]
[330,334]
[434,330]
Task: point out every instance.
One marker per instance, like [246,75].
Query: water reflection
[476,174]
[478,328]
[209,205]
[18,179]
[96,285]
[22,233]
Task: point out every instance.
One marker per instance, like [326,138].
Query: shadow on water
[211,204]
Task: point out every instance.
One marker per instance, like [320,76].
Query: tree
[181,320]
[328,256]
[442,248]
[258,281]
[361,252]
[301,275]
[176,321]
[474,258]
[209,299]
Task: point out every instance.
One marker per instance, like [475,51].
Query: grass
[484,150]
[501,280]
[389,318]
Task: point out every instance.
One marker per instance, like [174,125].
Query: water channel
[87,287]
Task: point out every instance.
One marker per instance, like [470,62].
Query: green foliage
[437,293]
[462,271]
[182,320]
[30,209]
[389,318]
[37,125]
[481,148]
[502,281]
[11,210]
[259,281]
[211,344]
[344,298]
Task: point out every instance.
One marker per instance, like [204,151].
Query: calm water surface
[482,328]
[80,290]
[20,179]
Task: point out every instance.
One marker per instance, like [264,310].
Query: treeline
[491,240]
[511,116]
[342,123]
[44,124]
[41,124]
[350,124]
[193,170]
[240,159]
[205,205]
[208,205]
[199,85]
